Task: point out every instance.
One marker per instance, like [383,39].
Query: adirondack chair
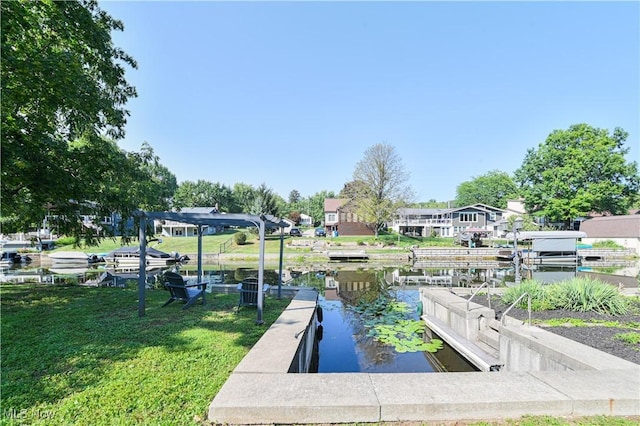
[180,290]
[248,289]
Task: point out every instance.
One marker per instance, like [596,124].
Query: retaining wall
[521,347]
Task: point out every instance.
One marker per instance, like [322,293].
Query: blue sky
[291,94]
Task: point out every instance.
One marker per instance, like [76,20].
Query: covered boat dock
[550,247]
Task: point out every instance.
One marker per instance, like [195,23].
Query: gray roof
[223,219]
[627,226]
[532,235]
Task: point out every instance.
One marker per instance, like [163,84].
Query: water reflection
[340,279]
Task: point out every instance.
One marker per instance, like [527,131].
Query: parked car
[295,232]
[320,232]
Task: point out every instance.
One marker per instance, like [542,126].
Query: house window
[492,216]
[178,232]
[331,217]
[468,217]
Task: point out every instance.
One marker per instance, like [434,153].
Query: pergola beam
[262,222]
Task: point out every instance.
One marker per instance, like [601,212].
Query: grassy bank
[78,355]
[74,355]
[223,243]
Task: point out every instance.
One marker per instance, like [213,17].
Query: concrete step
[479,354]
[494,324]
[490,337]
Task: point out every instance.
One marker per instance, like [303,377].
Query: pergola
[262,222]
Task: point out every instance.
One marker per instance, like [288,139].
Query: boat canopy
[550,241]
[533,235]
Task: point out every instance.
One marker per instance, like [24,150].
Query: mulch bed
[597,336]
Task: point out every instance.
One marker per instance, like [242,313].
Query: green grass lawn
[80,355]
[75,355]
[223,243]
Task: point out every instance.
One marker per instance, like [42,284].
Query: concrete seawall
[261,391]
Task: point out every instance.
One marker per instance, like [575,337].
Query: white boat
[130,256]
[74,258]
[8,258]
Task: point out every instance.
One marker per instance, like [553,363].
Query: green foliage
[585,295]
[631,337]
[577,171]
[86,357]
[388,322]
[62,81]
[240,238]
[204,194]
[65,241]
[494,188]
[610,244]
[537,291]
[578,294]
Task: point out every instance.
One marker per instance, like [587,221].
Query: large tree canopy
[494,188]
[204,194]
[63,89]
[578,171]
[379,186]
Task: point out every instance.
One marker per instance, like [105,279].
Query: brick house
[339,216]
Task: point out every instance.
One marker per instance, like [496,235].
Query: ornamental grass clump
[577,294]
[588,295]
[539,300]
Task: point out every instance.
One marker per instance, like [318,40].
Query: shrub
[65,241]
[240,238]
[607,244]
[539,299]
[585,295]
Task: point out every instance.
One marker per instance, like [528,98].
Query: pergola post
[142,275]
[200,277]
[280,264]
[261,273]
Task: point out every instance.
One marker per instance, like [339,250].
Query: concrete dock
[261,391]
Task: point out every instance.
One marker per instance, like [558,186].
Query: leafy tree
[431,204]
[203,194]
[381,185]
[122,182]
[261,200]
[493,188]
[243,198]
[350,190]
[315,206]
[295,217]
[63,88]
[578,171]
[294,197]
[265,201]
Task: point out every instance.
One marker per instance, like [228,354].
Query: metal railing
[515,303]
[476,292]
[226,245]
